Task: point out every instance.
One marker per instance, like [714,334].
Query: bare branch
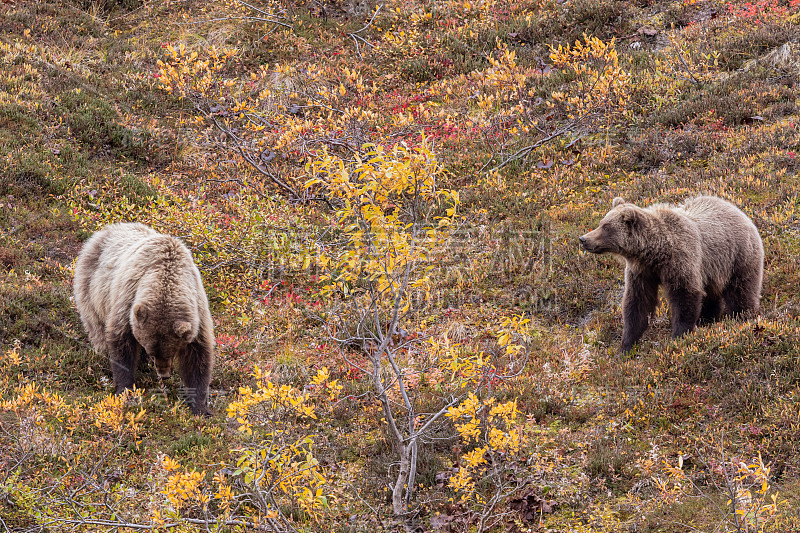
[356,37]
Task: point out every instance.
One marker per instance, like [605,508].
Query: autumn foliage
[383,200]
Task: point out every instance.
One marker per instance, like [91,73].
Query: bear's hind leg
[712,306]
[124,355]
[685,304]
[639,302]
[742,297]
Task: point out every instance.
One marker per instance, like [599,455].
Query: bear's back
[167,270]
[729,238]
[705,209]
[114,260]
[99,261]
[718,218]
[120,242]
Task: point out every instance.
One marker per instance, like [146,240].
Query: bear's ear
[617,201]
[629,216]
[183,330]
[140,312]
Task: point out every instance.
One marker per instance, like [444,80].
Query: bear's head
[618,232]
[162,335]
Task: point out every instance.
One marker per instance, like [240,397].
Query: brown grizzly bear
[136,288]
[704,252]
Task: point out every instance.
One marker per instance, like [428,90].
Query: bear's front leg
[123,351]
[686,304]
[639,302]
[196,375]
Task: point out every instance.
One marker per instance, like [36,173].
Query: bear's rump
[729,240]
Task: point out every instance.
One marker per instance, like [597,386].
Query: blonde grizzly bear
[138,289]
[704,252]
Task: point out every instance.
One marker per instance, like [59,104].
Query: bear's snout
[586,243]
[163,369]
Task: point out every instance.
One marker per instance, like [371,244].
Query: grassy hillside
[319,159]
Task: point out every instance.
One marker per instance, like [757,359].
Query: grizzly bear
[704,253]
[138,289]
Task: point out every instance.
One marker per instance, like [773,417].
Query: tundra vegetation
[384,200]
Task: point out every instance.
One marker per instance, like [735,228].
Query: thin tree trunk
[412,473]
[398,502]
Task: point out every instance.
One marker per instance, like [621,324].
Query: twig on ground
[356,37]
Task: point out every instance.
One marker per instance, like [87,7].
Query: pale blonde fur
[138,289]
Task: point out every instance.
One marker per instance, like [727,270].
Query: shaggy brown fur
[704,252]
[136,288]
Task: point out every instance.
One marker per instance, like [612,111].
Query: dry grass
[81,110]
